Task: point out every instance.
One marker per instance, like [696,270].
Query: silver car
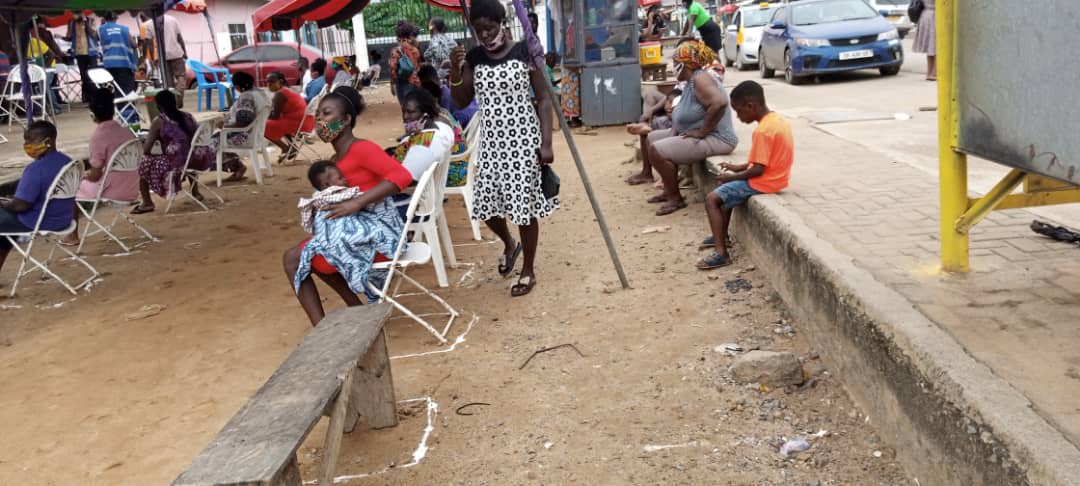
[895,11]
[744,34]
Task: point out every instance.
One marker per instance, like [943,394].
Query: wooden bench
[341,369]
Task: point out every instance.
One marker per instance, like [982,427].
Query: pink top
[120,186]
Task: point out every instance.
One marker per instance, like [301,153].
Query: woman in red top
[365,165]
[286,113]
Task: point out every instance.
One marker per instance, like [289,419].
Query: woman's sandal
[657,199]
[670,208]
[506,267]
[142,210]
[714,260]
[523,286]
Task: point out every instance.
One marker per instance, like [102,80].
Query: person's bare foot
[238,175]
[638,129]
[639,178]
[71,239]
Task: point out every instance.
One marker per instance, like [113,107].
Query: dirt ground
[91,397]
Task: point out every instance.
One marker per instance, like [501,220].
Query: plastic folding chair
[302,139]
[204,137]
[125,159]
[124,101]
[255,146]
[429,222]
[411,254]
[12,101]
[472,141]
[221,80]
[64,186]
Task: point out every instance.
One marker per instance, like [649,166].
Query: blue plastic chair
[221,81]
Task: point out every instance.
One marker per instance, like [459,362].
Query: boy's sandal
[670,208]
[506,266]
[707,243]
[523,286]
[714,260]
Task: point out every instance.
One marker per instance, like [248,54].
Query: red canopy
[292,14]
[63,19]
[451,5]
[191,6]
[648,3]
[729,8]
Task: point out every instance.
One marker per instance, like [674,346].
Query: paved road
[913,142]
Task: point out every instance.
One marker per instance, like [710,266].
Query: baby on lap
[330,188]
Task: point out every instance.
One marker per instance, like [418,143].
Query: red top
[365,165]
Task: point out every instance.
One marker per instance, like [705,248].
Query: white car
[895,11]
[744,34]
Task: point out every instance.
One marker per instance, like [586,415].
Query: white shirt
[172,30]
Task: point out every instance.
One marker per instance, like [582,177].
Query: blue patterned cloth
[350,244]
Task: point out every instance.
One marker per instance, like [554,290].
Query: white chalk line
[655,448]
[418,454]
[458,340]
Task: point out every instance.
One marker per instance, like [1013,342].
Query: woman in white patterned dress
[515,136]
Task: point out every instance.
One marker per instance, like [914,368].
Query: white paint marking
[458,340]
[654,448]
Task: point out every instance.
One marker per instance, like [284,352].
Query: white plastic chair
[64,186]
[126,158]
[12,101]
[411,254]
[429,222]
[472,141]
[124,101]
[204,137]
[255,146]
[302,138]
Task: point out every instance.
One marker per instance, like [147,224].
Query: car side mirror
[778,25]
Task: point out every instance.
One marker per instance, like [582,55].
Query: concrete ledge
[950,418]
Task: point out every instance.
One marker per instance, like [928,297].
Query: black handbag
[915,10]
[549,181]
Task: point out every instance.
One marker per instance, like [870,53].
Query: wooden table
[11,168]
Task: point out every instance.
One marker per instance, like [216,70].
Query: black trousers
[86,63]
[125,79]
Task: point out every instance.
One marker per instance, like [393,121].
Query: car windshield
[756,17]
[831,11]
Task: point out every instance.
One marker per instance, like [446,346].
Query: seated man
[318,80]
[772,151]
[20,214]
[655,115]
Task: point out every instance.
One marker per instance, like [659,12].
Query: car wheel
[739,65]
[890,70]
[789,73]
[763,67]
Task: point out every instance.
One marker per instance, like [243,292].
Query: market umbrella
[729,8]
[648,3]
[451,5]
[192,7]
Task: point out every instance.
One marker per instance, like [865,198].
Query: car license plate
[859,54]
[893,18]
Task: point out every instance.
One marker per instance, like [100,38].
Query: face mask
[497,42]
[679,69]
[35,150]
[328,131]
[416,125]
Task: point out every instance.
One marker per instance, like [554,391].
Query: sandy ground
[91,397]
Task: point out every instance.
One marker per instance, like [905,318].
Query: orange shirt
[773,147]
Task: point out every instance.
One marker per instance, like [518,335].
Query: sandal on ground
[142,210]
[707,243]
[670,208]
[638,179]
[714,260]
[506,267]
[64,242]
[523,286]
[236,177]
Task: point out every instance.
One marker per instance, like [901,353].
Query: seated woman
[429,80]
[242,114]
[655,24]
[701,124]
[340,73]
[287,110]
[365,165]
[458,168]
[107,137]
[160,173]
[427,139]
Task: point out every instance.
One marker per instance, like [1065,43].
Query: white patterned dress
[507,179]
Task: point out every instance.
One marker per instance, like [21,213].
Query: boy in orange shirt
[772,150]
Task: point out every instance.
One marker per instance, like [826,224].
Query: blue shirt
[34,187]
[314,88]
[116,46]
[462,115]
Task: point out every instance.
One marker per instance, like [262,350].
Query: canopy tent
[451,5]
[293,14]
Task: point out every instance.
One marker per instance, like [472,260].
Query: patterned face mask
[35,150]
[328,131]
[415,125]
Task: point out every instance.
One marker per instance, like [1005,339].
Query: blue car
[810,37]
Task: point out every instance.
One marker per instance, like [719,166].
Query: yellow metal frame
[959,213]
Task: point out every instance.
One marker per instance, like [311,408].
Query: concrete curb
[950,418]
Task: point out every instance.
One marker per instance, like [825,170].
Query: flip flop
[141,210]
[670,208]
[707,243]
[714,260]
[638,179]
[657,199]
[507,267]
[523,286]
